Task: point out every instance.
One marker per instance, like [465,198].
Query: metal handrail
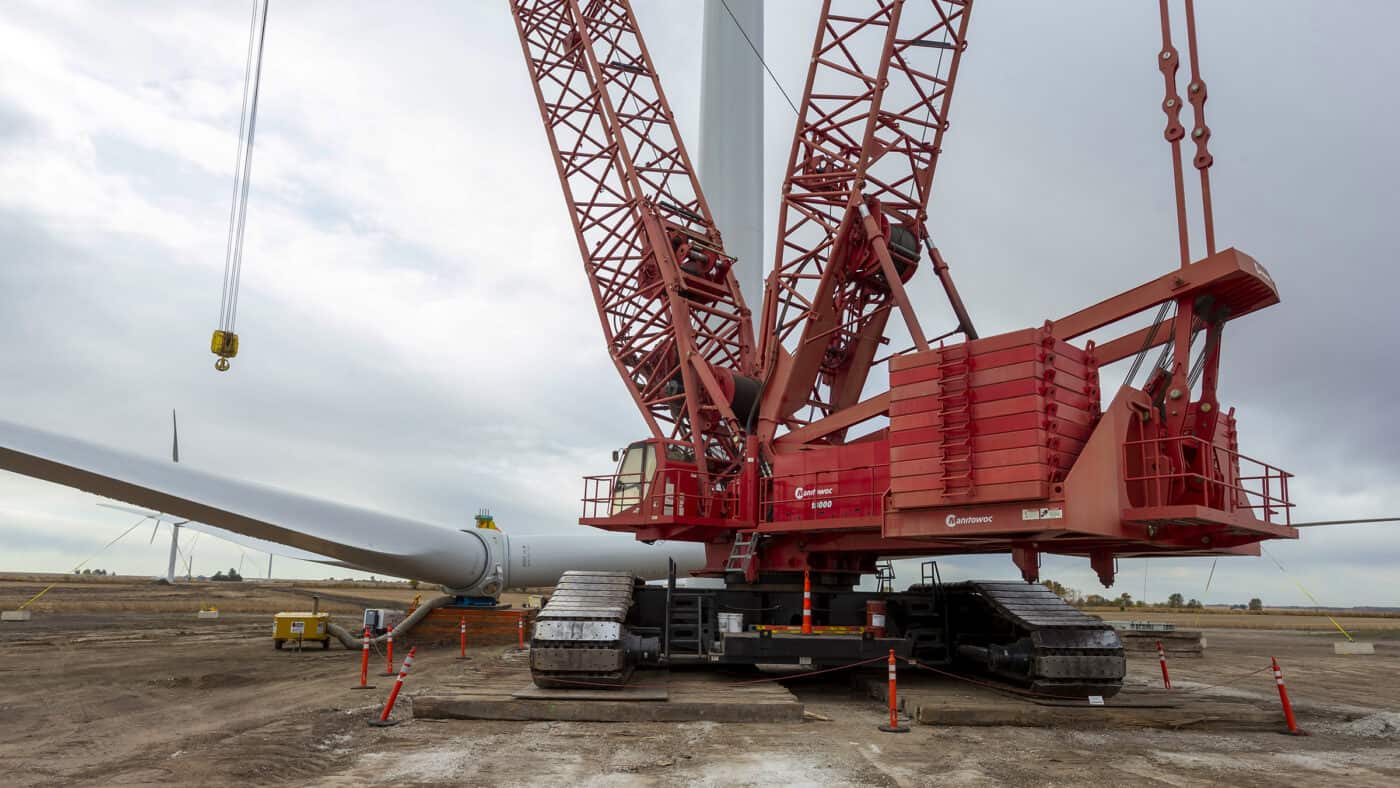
[1234,496]
[601,497]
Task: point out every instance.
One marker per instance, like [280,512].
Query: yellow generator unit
[301,627]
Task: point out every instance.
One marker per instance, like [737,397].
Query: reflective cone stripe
[364,660]
[1162,657]
[520,631]
[1283,698]
[894,704]
[464,635]
[398,685]
[806,602]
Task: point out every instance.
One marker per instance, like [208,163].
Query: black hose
[355,640]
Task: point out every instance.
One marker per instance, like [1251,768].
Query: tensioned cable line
[225,341]
[759,55]
[50,586]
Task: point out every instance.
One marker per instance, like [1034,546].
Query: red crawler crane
[768,455]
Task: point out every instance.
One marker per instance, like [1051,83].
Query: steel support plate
[578,630]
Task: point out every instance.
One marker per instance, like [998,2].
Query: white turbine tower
[174,526]
[731,135]
[175,523]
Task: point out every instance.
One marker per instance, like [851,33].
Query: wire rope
[225,342]
[759,55]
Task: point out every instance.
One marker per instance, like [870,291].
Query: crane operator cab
[635,470]
[655,484]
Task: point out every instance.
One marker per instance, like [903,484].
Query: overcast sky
[416,329]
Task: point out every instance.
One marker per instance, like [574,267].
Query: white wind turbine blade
[349,536]
[263,546]
[159,517]
[368,540]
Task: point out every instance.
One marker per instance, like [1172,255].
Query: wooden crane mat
[937,701]
[652,696]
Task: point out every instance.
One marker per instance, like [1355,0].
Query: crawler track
[1025,633]
[580,635]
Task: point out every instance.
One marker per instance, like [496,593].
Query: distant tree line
[1125,600]
[232,574]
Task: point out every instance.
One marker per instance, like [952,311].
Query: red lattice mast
[675,323]
[854,202]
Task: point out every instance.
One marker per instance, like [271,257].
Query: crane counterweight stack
[769,449]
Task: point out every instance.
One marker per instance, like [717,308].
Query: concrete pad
[689,697]
[951,702]
[16,615]
[1177,643]
[1353,647]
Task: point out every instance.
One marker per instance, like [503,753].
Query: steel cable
[50,586]
[243,166]
[759,55]
[237,168]
[1147,344]
[1224,683]
[247,176]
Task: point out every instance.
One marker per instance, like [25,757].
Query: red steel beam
[1238,279]
[839,421]
[871,126]
[634,201]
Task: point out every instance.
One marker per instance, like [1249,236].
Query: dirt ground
[135,697]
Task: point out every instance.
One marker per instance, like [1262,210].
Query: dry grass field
[113,594]
[1267,619]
